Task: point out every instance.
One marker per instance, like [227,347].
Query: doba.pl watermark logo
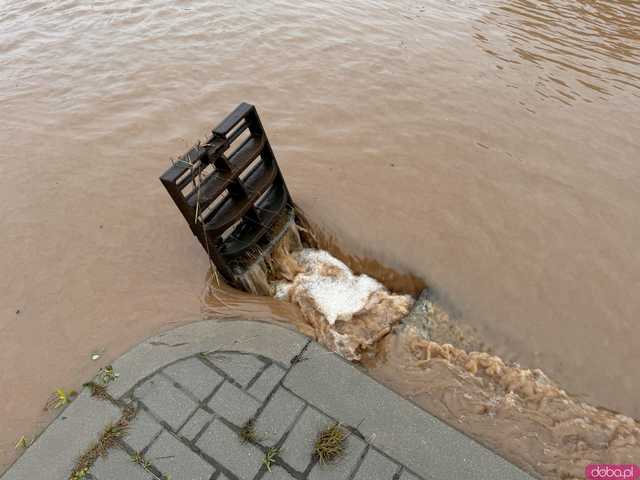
[611,472]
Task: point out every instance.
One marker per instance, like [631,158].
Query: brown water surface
[489,147]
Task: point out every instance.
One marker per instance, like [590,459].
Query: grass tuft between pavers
[109,438]
[329,445]
[270,457]
[139,459]
[98,391]
[248,433]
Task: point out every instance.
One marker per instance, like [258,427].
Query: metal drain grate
[231,192]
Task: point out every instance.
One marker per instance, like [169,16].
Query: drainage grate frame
[231,192]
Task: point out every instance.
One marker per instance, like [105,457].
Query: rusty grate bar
[231,192]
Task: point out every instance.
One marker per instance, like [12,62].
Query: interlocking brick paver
[399,428]
[266,382]
[375,465]
[55,452]
[118,466]
[298,447]
[195,424]
[242,368]
[277,473]
[278,416]
[166,401]
[172,457]
[195,376]
[223,444]
[185,439]
[408,476]
[233,404]
[342,468]
[142,430]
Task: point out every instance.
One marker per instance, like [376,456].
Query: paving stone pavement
[190,411]
[190,428]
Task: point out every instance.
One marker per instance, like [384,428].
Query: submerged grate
[231,192]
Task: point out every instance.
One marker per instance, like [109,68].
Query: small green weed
[79,474]
[22,443]
[270,457]
[60,398]
[107,375]
[140,460]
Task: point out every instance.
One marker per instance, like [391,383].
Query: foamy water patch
[346,312]
[336,291]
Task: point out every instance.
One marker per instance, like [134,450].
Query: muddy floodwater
[491,148]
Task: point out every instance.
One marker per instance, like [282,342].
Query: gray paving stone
[118,466]
[408,476]
[223,444]
[195,376]
[297,448]
[233,404]
[277,416]
[195,424]
[342,468]
[242,368]
[56,450]
[143,429]
[166,401]
[172,457]
[280,344]
[402,430]
[266,382]
[375,465]
[277,473]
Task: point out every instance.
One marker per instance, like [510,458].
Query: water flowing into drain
[348,313]
[413,346]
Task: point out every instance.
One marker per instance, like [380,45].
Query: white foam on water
[337,295]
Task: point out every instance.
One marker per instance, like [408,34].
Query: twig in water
[22,443]
[214,270]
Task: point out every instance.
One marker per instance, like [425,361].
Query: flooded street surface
[488,147]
